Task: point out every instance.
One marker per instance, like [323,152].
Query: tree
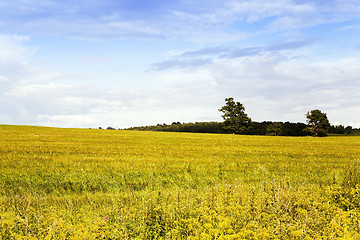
[339,129]
[318,123]
[348,129]
[274,129]
[235,118]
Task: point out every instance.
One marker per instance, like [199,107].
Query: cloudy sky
[124,63]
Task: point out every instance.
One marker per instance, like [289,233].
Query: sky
[124,63]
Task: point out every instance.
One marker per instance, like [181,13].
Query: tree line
[236,121]
[258,128]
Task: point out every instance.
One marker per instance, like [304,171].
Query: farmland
[90,183]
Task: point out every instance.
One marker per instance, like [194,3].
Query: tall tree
[318,123]
[235,118]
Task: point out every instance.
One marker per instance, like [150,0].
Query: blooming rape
[84,183]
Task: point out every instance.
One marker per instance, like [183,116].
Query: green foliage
[257,128]
[235,118]
[318,123]
[197,127]
[338,129]
[274,129]
[348,130]
[98,184]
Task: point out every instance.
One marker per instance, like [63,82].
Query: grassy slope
[127,184]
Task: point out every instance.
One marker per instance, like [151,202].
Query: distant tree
[318,123]
[348,129]
[339,129]
[235,118]
[274,129]
[294,129]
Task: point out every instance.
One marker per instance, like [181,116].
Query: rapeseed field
[103,184]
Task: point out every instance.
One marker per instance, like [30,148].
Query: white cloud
[354,124]
[212,22]
[274,87]
[69,120]
[33,95]
[13,48]
[256,10]
[206,56]
[95,59]
[4,79]
[274,81]
[31,90]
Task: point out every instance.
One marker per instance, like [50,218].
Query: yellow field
[83,184]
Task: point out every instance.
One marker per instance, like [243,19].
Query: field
[104,184]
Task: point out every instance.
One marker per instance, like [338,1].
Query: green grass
[86,183]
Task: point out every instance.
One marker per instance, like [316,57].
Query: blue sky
[130,63]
